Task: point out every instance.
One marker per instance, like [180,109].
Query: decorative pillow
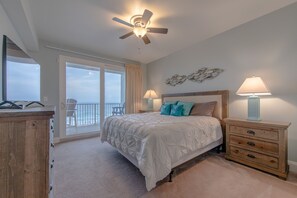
[171,102]
[176,110]
[187,106]
[165,109]
[204,109]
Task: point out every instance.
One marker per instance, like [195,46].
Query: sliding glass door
[89,93]
[114,91]
[82,99]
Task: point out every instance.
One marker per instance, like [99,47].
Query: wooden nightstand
[259,144]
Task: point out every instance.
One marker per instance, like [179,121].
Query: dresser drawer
[261,133]
[256,145]
[261,159]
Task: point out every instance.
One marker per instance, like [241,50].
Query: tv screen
[20,74]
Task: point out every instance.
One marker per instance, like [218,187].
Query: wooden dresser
[261,144]
[26,153]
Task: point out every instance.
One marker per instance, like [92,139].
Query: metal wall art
[176,79]
[198,76]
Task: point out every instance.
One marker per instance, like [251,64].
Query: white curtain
[133,88]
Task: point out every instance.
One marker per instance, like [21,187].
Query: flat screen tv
[20,74]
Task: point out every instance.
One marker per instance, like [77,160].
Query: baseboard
[79,137]
[56,140]
[293,166]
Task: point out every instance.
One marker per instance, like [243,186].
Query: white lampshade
[253,86]
[150,94]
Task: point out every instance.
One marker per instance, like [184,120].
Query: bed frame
[220,112]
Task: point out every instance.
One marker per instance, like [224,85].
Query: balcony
[86,117]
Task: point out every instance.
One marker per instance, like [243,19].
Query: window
[90,91]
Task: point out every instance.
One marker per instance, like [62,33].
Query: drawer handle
[52,145]
[52,164]
[251,144]
[272,161]
[251,132]
[236,151]
[251,156]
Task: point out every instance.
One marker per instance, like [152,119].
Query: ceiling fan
[140,24]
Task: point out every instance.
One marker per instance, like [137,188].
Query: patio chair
[71,111]
[118,110]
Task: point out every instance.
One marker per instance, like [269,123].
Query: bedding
[157,141]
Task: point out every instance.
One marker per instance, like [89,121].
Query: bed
[157,143]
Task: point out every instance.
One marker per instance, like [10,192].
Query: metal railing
[87,114]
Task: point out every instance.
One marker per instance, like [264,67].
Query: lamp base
[254,108]
[150,105]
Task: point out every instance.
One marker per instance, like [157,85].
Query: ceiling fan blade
[157,30]
[122,21]
[146,16]
[146,40]
[127,35]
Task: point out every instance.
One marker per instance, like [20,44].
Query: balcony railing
[87,114]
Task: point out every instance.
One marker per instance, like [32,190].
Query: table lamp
[253,88]
[150,95]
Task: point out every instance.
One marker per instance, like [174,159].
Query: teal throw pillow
[187,106]
[176,110]
[165,109]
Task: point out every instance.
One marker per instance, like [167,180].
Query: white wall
[265,47]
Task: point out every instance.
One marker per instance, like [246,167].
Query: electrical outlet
[45,99]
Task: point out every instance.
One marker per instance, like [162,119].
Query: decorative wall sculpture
[198,76]
[176,79]
[203,74]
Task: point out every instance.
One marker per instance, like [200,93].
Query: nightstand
[260,144]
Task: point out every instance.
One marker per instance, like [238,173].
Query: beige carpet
[90,169]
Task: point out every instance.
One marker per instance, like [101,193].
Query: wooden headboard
[221,96]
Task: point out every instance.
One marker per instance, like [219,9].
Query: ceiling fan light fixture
[139,31]
[140,25]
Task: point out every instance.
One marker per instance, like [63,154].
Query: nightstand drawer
[261,159]
[256,145]
[266,134]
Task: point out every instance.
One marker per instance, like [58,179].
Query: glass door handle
[63,106]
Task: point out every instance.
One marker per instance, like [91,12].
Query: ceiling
[88,25]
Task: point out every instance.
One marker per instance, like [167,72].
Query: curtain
[133,88]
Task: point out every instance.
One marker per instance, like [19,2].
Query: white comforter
[157,141]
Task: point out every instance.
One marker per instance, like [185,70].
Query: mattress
[157,143]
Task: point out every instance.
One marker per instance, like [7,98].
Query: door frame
[62,93]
